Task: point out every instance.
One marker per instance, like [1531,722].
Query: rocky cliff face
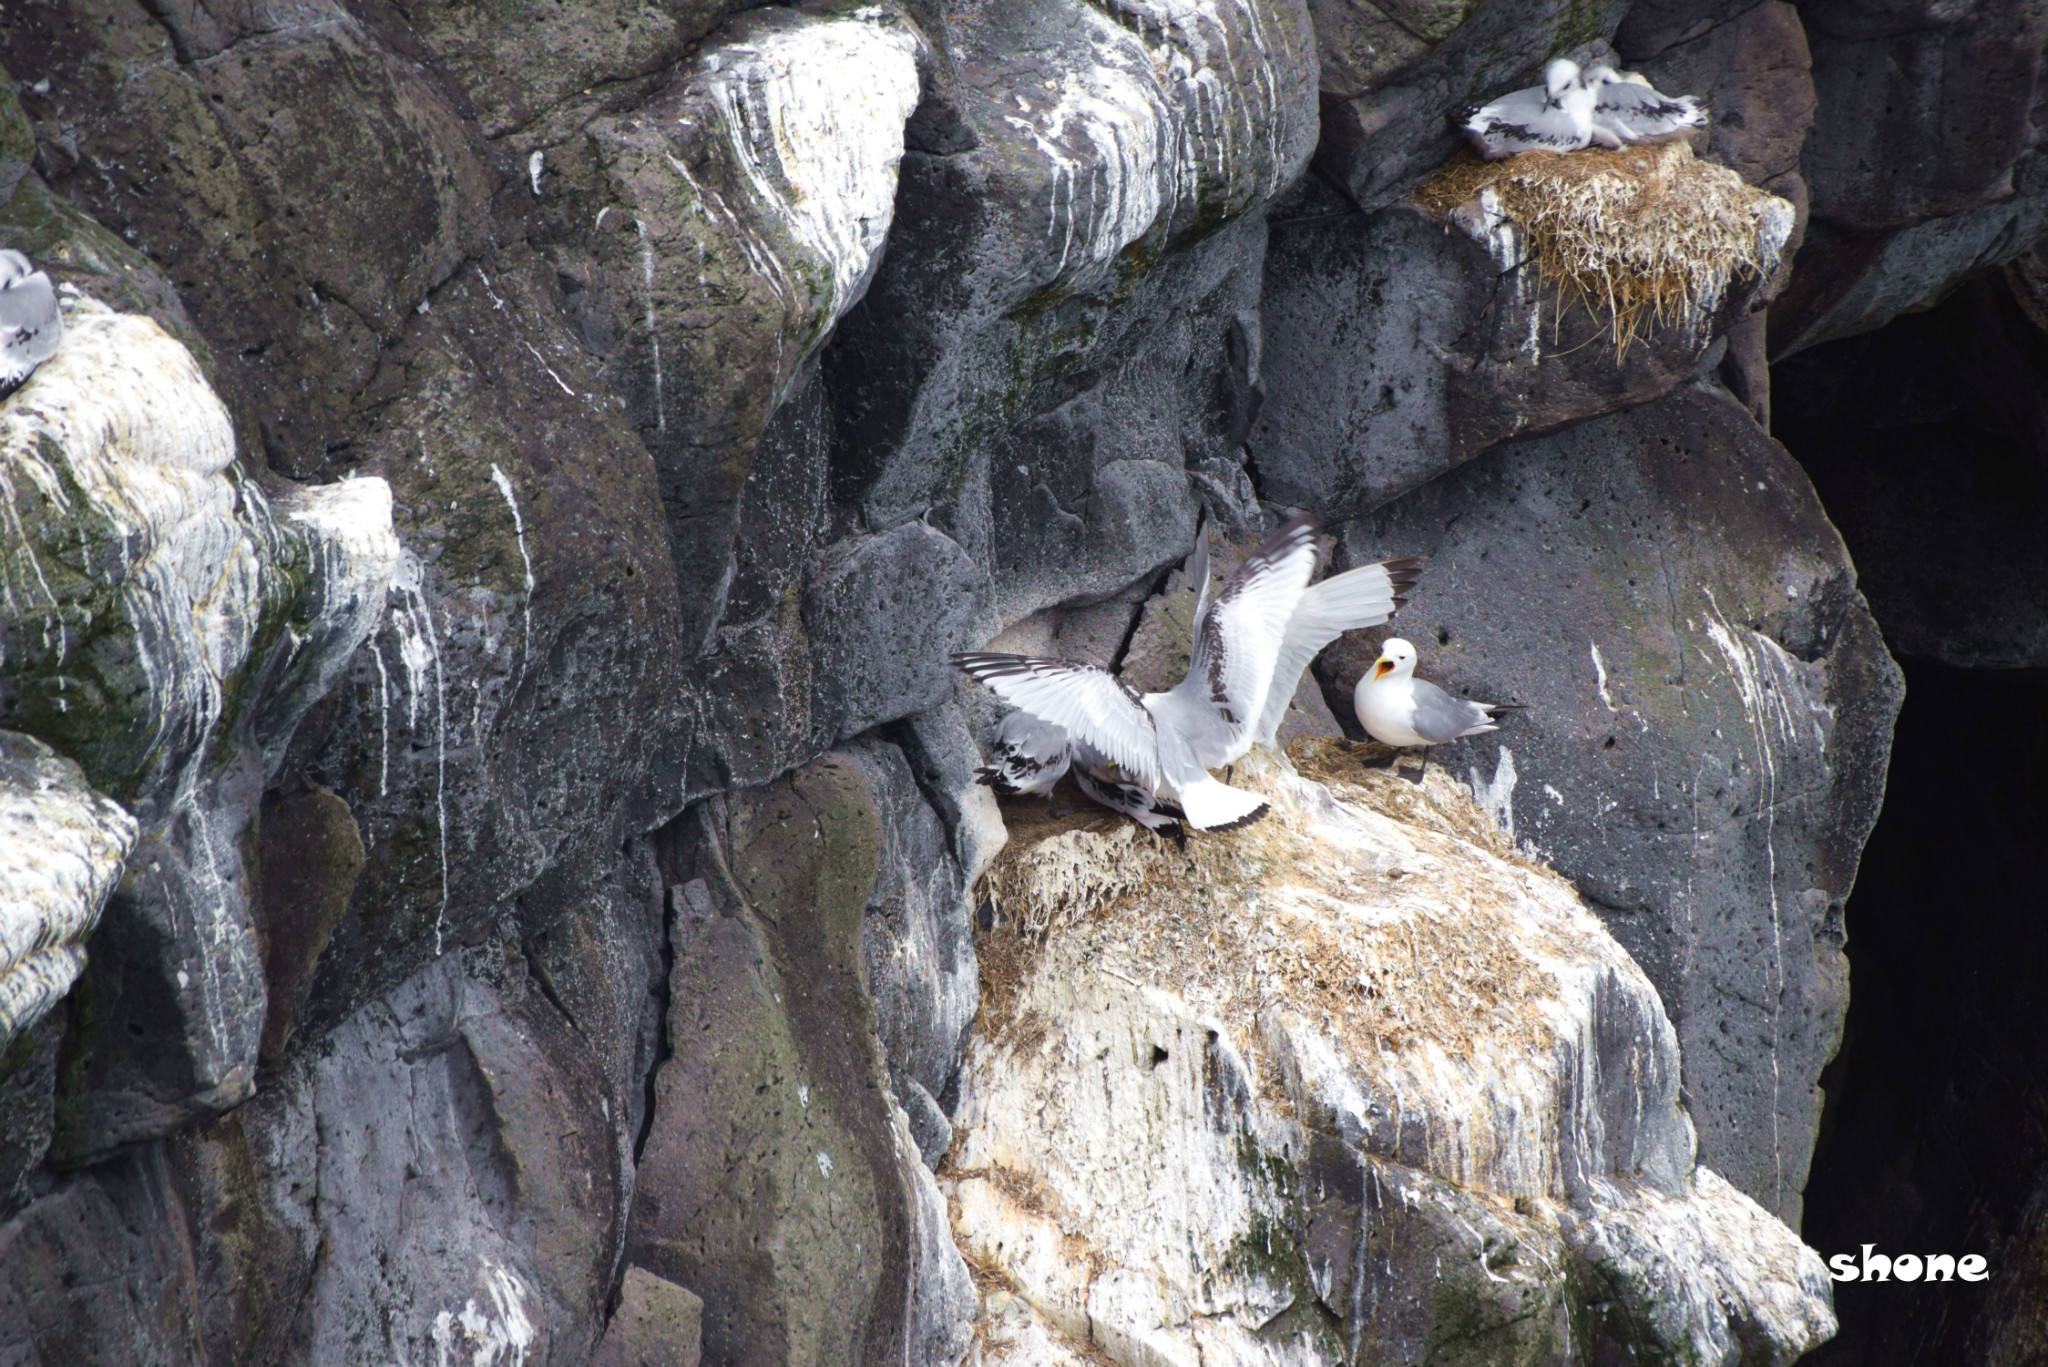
[479,749]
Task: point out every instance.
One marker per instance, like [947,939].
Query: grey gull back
[1627,109]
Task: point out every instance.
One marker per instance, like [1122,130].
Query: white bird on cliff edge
[30,324]
[1401,710]
[1556,116]
[1627,109]
[1251,643]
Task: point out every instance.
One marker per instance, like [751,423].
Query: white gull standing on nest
[1628,109]
[1251,644]
[30,324]
[1556,116]
[1396,707]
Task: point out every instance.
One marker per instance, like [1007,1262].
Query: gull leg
[1417,777]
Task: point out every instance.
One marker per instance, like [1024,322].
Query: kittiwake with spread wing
[1245,640]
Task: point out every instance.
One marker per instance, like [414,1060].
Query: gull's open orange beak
[1382,669]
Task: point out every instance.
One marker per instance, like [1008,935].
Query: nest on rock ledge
[1647,236]
[1137,898]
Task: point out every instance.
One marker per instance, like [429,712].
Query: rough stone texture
[917,946]
[1355,1089]
[738,215]
[168,625]
[1921,164]
[656,1324]
[1066,320]
[1923,108]
[1710,715]
[100,1273]
[775,1180]
[1399,348]
[312,854]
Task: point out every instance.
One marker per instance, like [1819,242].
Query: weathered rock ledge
[1356,1084]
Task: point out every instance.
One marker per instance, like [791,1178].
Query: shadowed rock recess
[490,863]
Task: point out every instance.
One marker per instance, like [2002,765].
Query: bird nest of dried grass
[1644,237]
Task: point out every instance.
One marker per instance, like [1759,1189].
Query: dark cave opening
[1925,442]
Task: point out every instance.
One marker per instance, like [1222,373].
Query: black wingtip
[1247,819]
[1404,571]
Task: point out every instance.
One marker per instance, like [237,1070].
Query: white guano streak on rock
[1151,130]
[62,847]
[504,484]
[1105,132]
[1600,676]
[419,650]
[814,114]
[183,566]
[383,721]
[498,1336]
[1750,659]
[653,333]
[1497,796]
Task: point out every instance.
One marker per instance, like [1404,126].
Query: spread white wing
[1237,644]
[1092,704]
[1363,597]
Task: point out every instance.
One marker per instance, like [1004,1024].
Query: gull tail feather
[1214,806]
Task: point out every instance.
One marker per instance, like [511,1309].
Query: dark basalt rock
[1921,163]
[774,1180]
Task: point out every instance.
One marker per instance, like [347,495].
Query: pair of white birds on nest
[1141,755]
[1574,109]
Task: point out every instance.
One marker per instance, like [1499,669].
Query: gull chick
[1031,757]
[1628,109]
[1401,710]
[1556,116]
[30,324]
[1102,780]
[1252,641]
